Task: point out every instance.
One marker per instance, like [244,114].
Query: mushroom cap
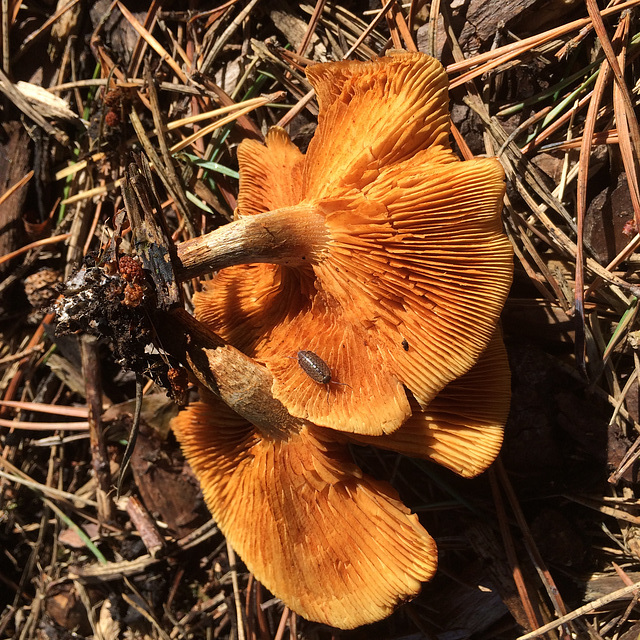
[463,427]
[372,115]
[335,545]
[414,250]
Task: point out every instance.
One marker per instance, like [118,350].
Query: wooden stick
[581,611]
[99,455]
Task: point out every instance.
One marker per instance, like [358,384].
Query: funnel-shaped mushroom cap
[335,545]
[412,250]
[462,428]
[404,279]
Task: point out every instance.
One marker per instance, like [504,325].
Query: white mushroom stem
[292,236]
[239,381]
[245,386]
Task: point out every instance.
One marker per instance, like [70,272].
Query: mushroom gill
[462,428]
[335,545]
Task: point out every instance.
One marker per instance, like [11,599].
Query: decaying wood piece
[14,165]
[151,240]
[146,526]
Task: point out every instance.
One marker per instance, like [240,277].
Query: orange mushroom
[382,254]
[379,250]
[335,545]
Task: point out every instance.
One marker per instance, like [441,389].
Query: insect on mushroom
[317,369]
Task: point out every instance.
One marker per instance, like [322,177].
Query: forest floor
[550,531]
